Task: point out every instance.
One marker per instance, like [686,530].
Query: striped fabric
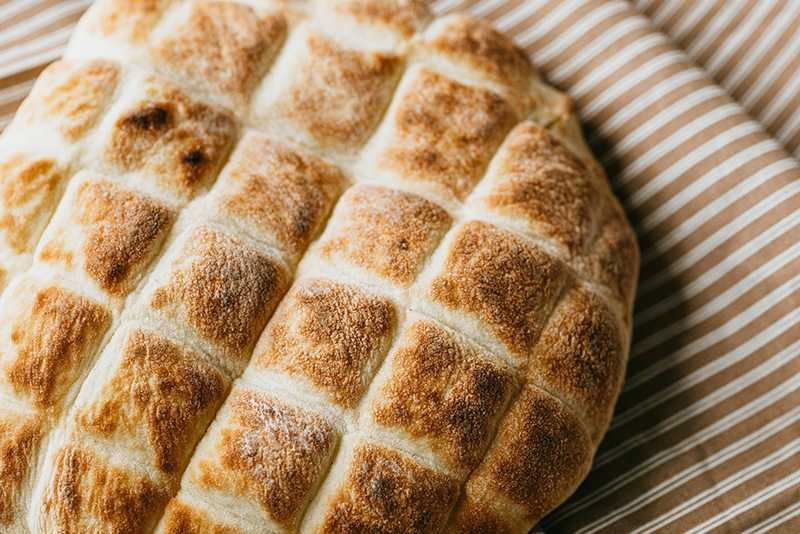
[706,436]
[749,47]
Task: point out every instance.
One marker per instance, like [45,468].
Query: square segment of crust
[541,453]
[476,49]
[537,184]
[69,97]
[220,288]
[329,336]
[221,47]
[167,139]
[474,516]
[613,260]
[30,187]
[20,438]
[442,394]
[382,491]
[120,28]
[401,19]
[330,94]
[264,456]
[85,491]
[151,396]
[48,339]
[105,233]
[493,277]
[278,192]
[384,232]
[581,358]
[183,517]
[440,134]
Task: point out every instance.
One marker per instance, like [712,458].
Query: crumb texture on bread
[301,266]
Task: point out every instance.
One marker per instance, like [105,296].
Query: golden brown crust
[504,280]
[581,358]
[329,334]
[540,455]
[337,94]
[86,493]
[475,44]
[278,190]
[441,390]
[540,183]
[73,94]
[20,436]
[183,518]
[173,140]
[402,17]
[471,516]
[222,288]
[614,257]
[28,191]
[159,395]
[269,451]
[128,19]
[444,133]
[52,334]
[384,231]
[121,229]
[384,492]
[224,45]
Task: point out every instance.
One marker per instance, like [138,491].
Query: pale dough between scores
[297,266]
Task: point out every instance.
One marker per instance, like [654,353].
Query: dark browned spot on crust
[580,357]
[402,17]
[182,518]
[53,332]
[270,451]
[539,181]
[445,133]
[122,229]
[614,258]
[153,119]
[541,453]
[506,281]
[225,289]
[338,94]
[171,139]
[28,189]
[19,441]
[224,45]
[384,492]
[475,43]
[280,190]
[159,392]
[441,390]
[329,333]
[87,494]
[384,231]
[474,517]
[73,93]
[193,158]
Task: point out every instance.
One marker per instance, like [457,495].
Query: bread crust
[301,266]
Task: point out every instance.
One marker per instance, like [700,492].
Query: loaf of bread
[284,266]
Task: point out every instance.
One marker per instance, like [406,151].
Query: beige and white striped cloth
[694,109]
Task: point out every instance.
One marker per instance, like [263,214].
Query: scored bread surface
[297,266]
